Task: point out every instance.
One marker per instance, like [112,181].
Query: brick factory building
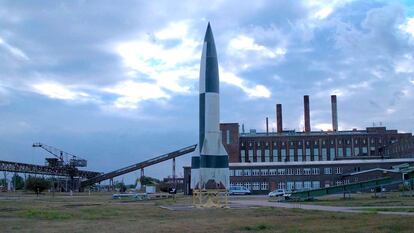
[293,160]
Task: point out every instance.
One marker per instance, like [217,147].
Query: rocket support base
[210,198]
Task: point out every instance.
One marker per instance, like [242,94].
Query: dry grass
[365,200]
[99,213]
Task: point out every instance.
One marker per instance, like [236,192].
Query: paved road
[320,207]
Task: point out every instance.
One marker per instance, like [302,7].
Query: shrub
[37,184]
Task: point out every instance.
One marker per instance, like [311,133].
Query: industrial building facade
[306,160]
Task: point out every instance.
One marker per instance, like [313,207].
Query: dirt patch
[8,209]
[80,205]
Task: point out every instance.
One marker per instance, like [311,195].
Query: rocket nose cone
[209,34]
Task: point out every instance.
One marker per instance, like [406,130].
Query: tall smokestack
[334,113]
[307,113]
[267,125]
[279,118]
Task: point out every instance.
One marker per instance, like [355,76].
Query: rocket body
[210,167]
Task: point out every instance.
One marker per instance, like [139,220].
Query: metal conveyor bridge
[138,166]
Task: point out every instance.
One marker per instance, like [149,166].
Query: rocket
[210,164]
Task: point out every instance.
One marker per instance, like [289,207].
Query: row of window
[253,185]
[285,171]
[285,156]
[289,185]
[315,143]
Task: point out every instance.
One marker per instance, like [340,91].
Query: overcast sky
[117,82]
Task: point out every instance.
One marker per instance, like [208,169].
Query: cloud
[322,9]
[257,91]
[56,90]
[244,43]
[131,93]
[405,64]
[16,52]
[169,57]
[408,26]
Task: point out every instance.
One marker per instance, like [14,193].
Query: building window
[275,156]
[340,152]
[316,184]
[242,155]
[267,155]
[300,157]
[298,185]
[315,171]
[306,171]
[264,186]
[289,171]
[256,186]
[247,172]
[364,150]
[338,170]
[332,153]
[356,151]
[283,155]
[259,156]
[307,185]
[298,172]
[231,172]
[272,172]
[307,153]
[255,172]
[250,156]
[290,185]
[327,170]
[281,171]
[324,154]
[348,151]
[248,185]
[264,172]
[291,153]
[228,139]
[315,154]
[238,172]
[281,185]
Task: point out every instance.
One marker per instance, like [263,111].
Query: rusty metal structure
[15,167]
[139,166]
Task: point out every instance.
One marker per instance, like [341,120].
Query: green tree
[18,182]
[3,182]
[146,180]
[37,184]
[121,186]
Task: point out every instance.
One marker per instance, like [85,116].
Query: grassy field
[364,200]
[98,213]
